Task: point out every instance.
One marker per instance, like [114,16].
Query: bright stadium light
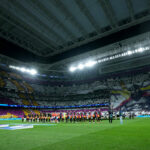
[23,69]
[17,68]
[80,66]
[129,52]
[146,48]
[33,71]
[72,69]
[10,66]
[122,54]
[28,70]
[90,63]
[140,50]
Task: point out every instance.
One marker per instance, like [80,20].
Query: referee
[110,116]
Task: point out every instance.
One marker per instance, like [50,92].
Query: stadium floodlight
[28,70]
[80,66]
[90,63]
[33,72]
[17,68]
[23,69]
[140,50]
[72,69]
[99,61]
[13,67]
[146,48]
[124,54]
[129,52]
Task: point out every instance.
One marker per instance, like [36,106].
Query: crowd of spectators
[95,92]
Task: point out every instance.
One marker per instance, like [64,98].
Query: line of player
[62,117]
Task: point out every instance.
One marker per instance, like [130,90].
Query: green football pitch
[132,135]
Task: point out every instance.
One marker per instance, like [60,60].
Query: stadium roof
[52,31]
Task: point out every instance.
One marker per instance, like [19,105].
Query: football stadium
[74,74]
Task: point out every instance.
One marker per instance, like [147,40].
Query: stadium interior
[81,61]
